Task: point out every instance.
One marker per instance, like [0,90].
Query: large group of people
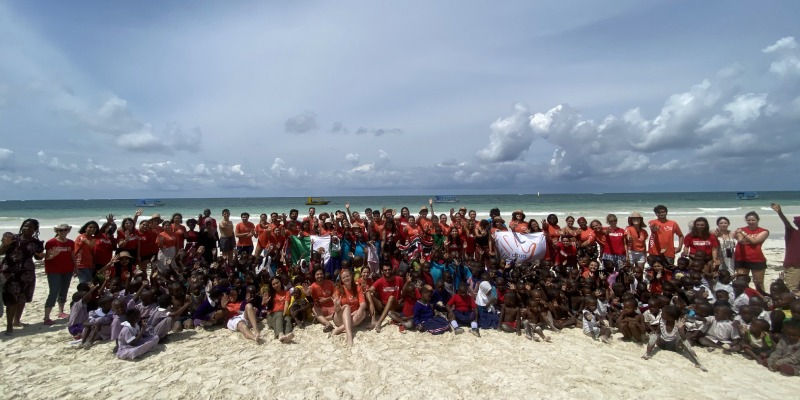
[428,273]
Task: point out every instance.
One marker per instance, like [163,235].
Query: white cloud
[788,61]
[510,136]
[785,43]
[378,131]
[351,158]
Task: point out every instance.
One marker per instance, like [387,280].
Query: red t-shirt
[180,233]
[62,262]
[615,242]
[279,301]
[409,302]
[132,241]
[387,288]
[148,245]
[166,240]
[462,303]
[749,252]
[325,290]
[694,244]
[104,249]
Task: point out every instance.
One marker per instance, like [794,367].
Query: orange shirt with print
[84,251]
[664,237]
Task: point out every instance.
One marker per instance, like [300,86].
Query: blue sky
[217,99]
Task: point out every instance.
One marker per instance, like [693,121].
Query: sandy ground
[38,363]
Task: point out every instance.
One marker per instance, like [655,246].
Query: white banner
[520,247]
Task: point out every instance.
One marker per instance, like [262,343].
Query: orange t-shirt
[412,232]
[664,237]
[233,309]
[553,231]
[279,301]
[638,239]
[84,251]
[243,227]
[180,234]
[520,227]
[166,240]
[353,300]
[325,290]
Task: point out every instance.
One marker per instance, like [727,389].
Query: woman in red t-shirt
[321,292]
[84,250]
[518,223]
[128,237]
[349,305]
[167,247]
[59,265]
[749,257]
[701,239]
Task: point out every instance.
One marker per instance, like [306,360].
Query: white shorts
[233,323]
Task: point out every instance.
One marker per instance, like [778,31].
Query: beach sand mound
[39,363]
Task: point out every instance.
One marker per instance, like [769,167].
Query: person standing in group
[84,251]
[749,257]
[244,235]
[18,270]
[727,244]
[791,259]
[167,248]
[662,235]
[636,237]
[60,266]
[226,235]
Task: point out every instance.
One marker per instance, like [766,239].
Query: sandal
[49,322]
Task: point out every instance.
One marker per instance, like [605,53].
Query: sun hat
[124,254]
[62,227]
[632,216]
[156,216]
[514,214]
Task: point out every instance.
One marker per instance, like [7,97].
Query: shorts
[233,323]
[616,260]
[225,243]
[753,266]
[327,311]
[638,257]
[244,249]
[791,275]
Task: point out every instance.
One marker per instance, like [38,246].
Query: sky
[260,99]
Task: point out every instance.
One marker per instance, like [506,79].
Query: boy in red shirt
[462,310]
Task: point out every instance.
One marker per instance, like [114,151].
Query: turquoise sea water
[590,205]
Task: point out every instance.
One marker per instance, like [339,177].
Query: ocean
[682,206]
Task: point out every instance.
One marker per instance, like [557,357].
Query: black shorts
[226,243]
[753,266]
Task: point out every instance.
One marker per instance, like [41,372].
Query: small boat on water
[445,199]
[149,203]
[315,201]
[747,195]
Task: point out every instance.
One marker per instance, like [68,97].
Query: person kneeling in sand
[241,319]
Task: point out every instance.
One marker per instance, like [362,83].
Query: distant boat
[445,199]
[747,195]
[312,201]
[149,203]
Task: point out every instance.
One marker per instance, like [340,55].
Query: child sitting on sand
[98,323]
[672,336]
[630,322]
[720,332]
[786,356]
[462,310]
[593,324]
[134,340]
[424,317]
[757,343]
[510,314]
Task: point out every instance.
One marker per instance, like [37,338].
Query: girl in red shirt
[59,265]
[84,250]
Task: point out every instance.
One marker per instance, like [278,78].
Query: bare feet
[646,357]
[701,367]
[547,338]
[378,328]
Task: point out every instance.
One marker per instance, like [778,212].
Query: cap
[423,208]
[156,216]
[124,254]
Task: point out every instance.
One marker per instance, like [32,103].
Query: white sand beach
[38,363]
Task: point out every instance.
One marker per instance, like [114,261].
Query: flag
[519,247]
[302,247]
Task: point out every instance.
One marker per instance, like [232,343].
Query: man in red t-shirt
[663,233]
[244,235]
[384,295]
